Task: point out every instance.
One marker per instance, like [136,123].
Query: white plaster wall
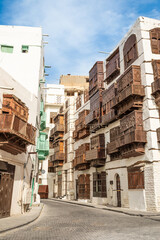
[24,67]
[137,199]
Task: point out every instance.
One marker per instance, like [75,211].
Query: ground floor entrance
[6,188]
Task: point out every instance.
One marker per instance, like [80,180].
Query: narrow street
[62,221]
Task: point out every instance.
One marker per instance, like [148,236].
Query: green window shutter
[7,49]
[25,48]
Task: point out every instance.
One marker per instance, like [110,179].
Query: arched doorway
[118,186]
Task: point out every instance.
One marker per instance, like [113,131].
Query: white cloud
[78,29]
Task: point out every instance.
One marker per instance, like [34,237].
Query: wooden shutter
[130,51]
[103,184]
[155,40]
[156,69]
[66,122]
[66,152]
[135,179]
[87,186]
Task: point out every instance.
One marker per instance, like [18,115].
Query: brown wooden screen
[66,152]
[66,122]
[130,51]
[155,40]
[135,178]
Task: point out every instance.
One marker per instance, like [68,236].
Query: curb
[23,224]
[108,209]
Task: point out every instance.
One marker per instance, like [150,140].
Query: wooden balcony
[133,150]
[83,133]
[130,91]
[112,66]
[96,77]
[15,134]
[95,154]
[57,156]
[13,105]
[109,117]
[133,120]
[136,136]
[58,163]
[112,147]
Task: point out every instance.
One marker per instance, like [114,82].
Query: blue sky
[78,29]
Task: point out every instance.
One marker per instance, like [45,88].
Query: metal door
[6,187]
[118,191]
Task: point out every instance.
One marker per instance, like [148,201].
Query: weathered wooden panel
[15,134]
[138,136]
[78,102]
[135,178]
[133,150]
[134,120]
[158,134]
[43,191]
[98,141]
[96,77]
[84,186]
[130,51]
[86,95]
[131,76]
[155,40]
[112,66]
[95,154]
[13,105]
[156,69]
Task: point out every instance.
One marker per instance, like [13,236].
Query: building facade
[22,80]
[114,147]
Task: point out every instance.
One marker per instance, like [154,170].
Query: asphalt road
[62,221]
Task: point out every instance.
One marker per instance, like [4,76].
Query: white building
[22,75]
[126,113]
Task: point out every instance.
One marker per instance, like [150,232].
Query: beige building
[61,139]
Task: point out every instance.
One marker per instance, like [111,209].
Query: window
[25,48]
[130,51]
[6,49]
[99,184]
[135,178]
[84,186]
[155,40]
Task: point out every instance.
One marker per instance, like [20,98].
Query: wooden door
[59,185]
[77,189]
[6,187]
[118,191]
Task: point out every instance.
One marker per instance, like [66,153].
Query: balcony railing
[15,133]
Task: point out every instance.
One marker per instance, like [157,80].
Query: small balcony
[136,136]
[57,156]
[15,134]
[42,146]
[95,154]
[109,117]
[51,168]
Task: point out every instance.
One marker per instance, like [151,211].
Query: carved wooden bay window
[81,128]
[156,83]
[130,92]
[112,66]
[99,184]
[96,154]
[155,40]
[80,162]
[108,98]
[15,132]
[129,139]
[135,178]
[93,119]
[96,77]
[130,51]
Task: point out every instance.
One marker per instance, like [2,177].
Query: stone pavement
[62,221]
[13,222]
[152,215]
